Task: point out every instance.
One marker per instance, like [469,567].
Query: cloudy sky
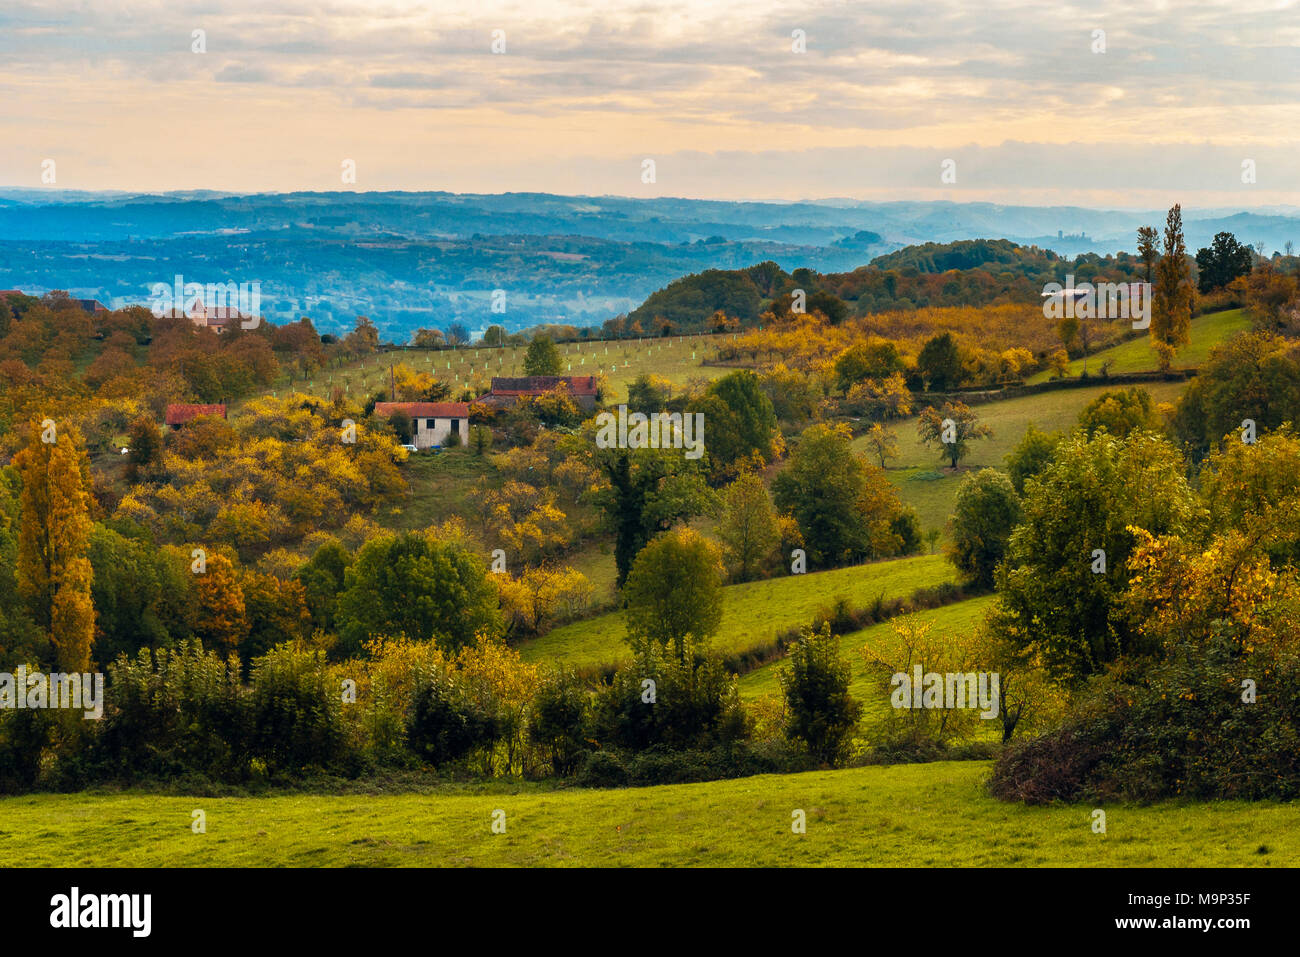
[1027,99]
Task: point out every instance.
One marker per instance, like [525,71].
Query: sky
[1115,105]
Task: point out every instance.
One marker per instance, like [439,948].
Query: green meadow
[919,815]
[753,614]
[963,616]
[922,477]
[1136,355]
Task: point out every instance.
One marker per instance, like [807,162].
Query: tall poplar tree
[54,571]
[1171,302]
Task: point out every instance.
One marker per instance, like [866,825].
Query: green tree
[674,591]
[821,714]
[557,721]
[1031,456]
[749,530]
[542,357]
[648,491]
[739,423]
[323,578]
[1148,238]
[1222,261]
[418,586]
[1066,565]
[985,512]
[127,591]
[1119,412]
[822,486]
[1252,376]
[940,363]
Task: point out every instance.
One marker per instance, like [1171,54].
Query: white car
[410,448]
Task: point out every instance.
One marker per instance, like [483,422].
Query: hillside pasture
[753,614]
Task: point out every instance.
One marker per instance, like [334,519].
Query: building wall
[426,437]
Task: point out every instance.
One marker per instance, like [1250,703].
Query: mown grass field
[752,613]
[920,815]
[1136,355]
[921,476]
[675,358]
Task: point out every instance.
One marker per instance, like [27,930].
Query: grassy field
[920,475]
[926,815]
[753,613]
[677,358]
[1136,355]
[950,619]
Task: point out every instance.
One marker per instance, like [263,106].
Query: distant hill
[964,273]
[433,258]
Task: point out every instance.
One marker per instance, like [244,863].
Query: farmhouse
[431,422]
[218,318]
[179,415]
[505,391]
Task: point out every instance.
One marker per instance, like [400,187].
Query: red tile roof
[541,384]
[425,410]
[180,414]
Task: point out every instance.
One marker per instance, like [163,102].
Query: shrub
[822,714]
[557,722]
[449,721]
[295,711]
[173,711]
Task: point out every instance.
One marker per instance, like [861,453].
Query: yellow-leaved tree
[54,572]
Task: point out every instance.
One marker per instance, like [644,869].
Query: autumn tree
[953,427]
[1171,303]
[221,619]
[1271,298]
[882,442]
[54,572]
[145,442]
[881,399]
[20,639]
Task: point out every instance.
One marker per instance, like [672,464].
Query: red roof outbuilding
[180,414]
[425,410]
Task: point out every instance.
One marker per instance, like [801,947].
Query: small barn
[431,422]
